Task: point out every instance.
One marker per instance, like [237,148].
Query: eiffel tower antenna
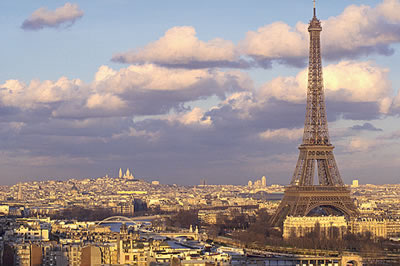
[315,10]
[330,195]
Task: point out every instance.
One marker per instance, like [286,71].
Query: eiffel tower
[302,197]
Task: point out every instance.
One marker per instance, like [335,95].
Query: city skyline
[178,97]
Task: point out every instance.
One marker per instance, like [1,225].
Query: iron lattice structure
[302,196]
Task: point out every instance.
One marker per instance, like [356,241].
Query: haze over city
[193,90]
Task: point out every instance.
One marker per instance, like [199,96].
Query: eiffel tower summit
[330,196]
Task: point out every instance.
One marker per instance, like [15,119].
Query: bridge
[192,235]
[124,219]
[116,219]
[136,220]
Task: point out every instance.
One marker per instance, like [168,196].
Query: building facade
[329,226]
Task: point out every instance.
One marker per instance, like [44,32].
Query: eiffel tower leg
[323,173]
[300,166]
[333,169]
[309,173]
[300,207]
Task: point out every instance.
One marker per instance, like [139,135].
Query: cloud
[358,31]
[40,94]
[11,127]
[389,9]
[396,103]
[359,144]
[132,132]
[362,30]
[282,134]
[23,157]
[194,117]
[366,126]
[354,91]
[359,82]
[147,115]
[180,47]
[42,17]
[105,101]
[395,135]
[346,81]
[150,77]
[153,90]
[132,91]
[276,42]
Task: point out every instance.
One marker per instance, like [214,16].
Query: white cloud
[18,94]
[105,101]
[104,73]
[291,89]
[136,90]
[194,117]
[180,47]
[359,30]
[389,9]
[241,101]
[43,17]
[276,41]
[348,81]
[358,82]
[155,78]
[282,134]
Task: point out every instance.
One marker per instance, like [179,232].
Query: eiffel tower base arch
[302,200]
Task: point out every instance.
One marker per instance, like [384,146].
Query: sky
[180,91]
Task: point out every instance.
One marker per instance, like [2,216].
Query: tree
[84,214]
[184,219]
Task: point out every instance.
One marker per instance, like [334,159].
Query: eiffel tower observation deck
[330,196]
